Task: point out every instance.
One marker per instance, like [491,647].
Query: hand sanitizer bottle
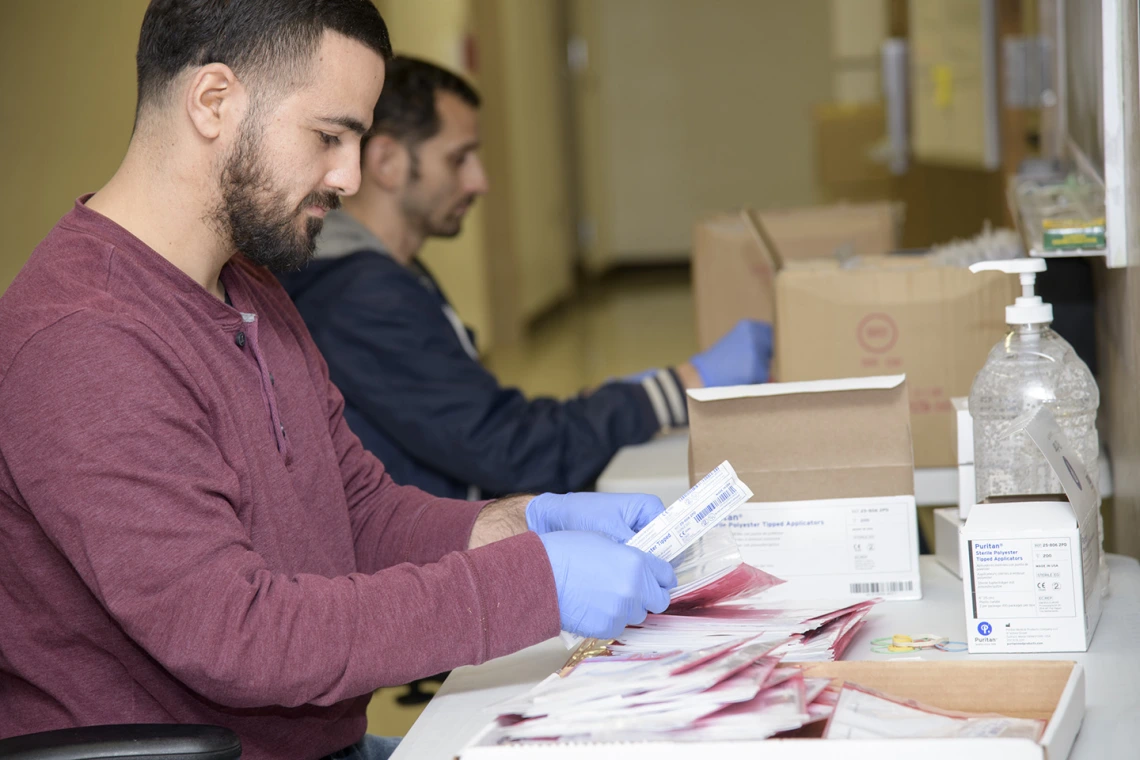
[1031,367]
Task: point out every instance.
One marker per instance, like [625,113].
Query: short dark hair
[406,109]
[252,37]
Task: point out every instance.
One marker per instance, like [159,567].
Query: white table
[1111,726]
[661,468]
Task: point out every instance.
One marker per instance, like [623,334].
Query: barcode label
[721,498]
[726,494]
[700,516]
[694,514]
[892,587]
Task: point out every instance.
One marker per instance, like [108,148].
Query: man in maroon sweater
[189,531]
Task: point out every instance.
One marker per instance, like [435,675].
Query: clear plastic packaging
[712,570]
[1060,213]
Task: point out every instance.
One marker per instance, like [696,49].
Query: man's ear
[214,97]
[387,162]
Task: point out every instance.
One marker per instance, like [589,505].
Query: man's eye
[328,139]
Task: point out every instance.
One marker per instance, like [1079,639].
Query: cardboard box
[1053,691]
[1047,690]
[832,470]
[887,314]
[734,270]
[1030,567]
[936,324]
[947,525]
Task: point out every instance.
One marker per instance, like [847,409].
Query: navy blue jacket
[420,400]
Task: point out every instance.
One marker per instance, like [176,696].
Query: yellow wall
[67,99]
[435,29]
[526,138]
[684,107]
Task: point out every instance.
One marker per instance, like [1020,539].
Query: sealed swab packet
[715,497]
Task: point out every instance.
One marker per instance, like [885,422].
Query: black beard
[256,217]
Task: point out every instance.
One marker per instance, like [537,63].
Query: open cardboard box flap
[736,255]
[813,440]
[1029,688]
[832,232]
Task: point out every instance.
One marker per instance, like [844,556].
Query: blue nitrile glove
[617,515]
[603,586]
[741,357]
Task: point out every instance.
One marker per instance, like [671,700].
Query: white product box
[1030,568]
[964,434]
[967,489]
[831,465]
[963,429]
[947,525]
[833,548]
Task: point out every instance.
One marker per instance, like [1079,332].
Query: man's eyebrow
[347,122]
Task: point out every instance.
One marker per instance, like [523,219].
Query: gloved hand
[603,586]
[742,357]
[617,515]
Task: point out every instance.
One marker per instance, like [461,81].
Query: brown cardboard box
[733,266]
[888,314]
[831,469]
[830,439]
[936,324]
[1030,688]
[1053,691]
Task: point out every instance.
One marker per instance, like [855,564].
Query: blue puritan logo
[985,628]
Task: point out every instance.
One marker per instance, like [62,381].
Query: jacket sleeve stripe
[657,399]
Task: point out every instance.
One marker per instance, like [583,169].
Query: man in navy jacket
[415,391]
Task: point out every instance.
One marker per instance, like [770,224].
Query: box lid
[1027,518]
[825,439]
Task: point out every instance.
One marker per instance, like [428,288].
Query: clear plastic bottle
[1031,367]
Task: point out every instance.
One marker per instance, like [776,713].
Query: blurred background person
[415,390]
